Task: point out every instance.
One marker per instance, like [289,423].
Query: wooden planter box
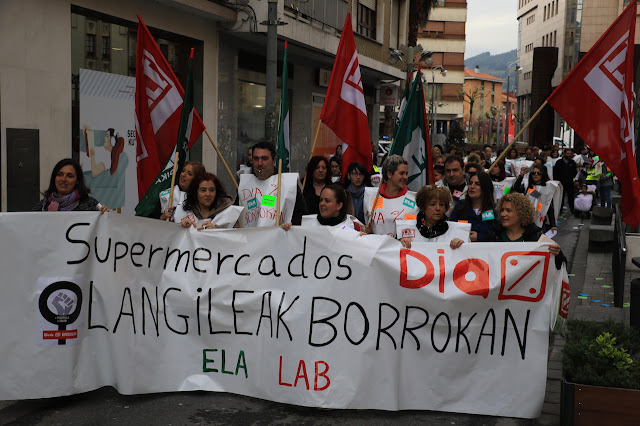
[597,405]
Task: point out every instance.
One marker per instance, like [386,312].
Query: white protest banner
[227,218]
[549,165]
[541,198]
[298,317]
[516,165]
[388,210]
[258,197]
[503,187]
[349,222]
[409,229]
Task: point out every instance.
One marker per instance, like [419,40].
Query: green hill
[495,65]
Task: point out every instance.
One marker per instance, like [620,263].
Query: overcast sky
[491,26]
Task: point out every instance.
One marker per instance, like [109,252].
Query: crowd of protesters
[460,207]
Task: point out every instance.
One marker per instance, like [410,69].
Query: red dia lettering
[479,285]
[420,282]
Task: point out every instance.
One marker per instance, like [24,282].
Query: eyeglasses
[356,174]
[536,173]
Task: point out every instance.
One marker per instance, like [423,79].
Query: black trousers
[569,191]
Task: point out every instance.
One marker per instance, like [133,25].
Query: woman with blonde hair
[516,224]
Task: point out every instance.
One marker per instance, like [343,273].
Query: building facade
[552,37]
[444,35]
[50,45]
[69,64]
[312,30]
[483,106]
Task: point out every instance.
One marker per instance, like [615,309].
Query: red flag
[344,110]
[596,100]
[159,98]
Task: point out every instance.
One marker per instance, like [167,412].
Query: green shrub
[602,354]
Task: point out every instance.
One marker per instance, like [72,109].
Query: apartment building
[312,29]
[444,35]
[552,37]
[483,106]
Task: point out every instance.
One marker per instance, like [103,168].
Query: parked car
[384,144]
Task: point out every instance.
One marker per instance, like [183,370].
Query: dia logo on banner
[524,275]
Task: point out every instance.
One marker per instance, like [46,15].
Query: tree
[419,11]
[470,98]
[456,134]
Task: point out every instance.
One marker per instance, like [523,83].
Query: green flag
[191,127]
[283,146]
[411,140]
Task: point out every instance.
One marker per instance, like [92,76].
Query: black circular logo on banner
[67,310]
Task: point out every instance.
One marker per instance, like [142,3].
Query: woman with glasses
[537,177]
[355,181]
[477,207]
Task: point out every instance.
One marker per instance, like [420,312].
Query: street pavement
[106,407]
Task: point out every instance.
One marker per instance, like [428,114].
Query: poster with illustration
[107,138]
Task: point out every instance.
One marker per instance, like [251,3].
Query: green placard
[409,203]
[252,204]
[268,200]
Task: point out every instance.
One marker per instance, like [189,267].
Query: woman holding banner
[516,224]
[537,177]
[477,207]
[190,170]
[207,205]
[335,210]
[431,223]
[394,200]
[355,181]
[318,177]
[67,190]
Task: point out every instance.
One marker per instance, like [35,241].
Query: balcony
[327,12]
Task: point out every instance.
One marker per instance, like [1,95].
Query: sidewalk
[591,280]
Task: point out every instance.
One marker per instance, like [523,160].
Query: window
[527,75]
[366,21]
[544,16]
[90,44]
[106,47]
[555,38]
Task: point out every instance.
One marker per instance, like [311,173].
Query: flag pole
[173,182]
[504,152]
[278,194]
[224,163]
[313,146]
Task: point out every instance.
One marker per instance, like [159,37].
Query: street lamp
[506,126]
[434,114]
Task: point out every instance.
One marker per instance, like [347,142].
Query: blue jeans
[605,196]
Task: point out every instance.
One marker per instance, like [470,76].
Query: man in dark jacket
[565,171]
